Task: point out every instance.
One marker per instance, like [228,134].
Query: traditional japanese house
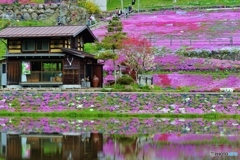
[49,56]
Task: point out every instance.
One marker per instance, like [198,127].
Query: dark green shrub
[125,80]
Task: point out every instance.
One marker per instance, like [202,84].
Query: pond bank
[121,103]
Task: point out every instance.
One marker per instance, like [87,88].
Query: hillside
[157,4]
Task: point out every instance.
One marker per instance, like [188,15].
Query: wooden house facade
[53,146]
[49,56]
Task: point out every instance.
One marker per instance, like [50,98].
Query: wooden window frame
[35,50]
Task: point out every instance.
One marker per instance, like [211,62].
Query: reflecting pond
[118,139]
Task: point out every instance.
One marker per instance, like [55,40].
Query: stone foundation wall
[66,13]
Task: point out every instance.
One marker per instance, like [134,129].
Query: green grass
[157,4]
[2,49]
[97,114]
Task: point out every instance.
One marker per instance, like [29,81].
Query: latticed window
[28,45]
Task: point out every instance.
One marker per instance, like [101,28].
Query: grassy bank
[157,4]
[96,114]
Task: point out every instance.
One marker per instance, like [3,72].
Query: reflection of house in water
[3,144]
[66,146]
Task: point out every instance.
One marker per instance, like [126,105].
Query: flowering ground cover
[196,82]
[129,126]
[205,29]
[173,62]
[199,30]
[131,103]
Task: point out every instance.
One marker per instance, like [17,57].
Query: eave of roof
[78,53]
[43,31]
[35,55]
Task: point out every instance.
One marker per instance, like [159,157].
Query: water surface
[118,139]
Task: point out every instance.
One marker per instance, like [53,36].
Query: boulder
[30,10]
[9,7]
[63,5]
[54,6]
[16,11]
[41,17]
[46,6]
[24,11]
[40,6]
[27,6]
[34,16]
[49,11]
[26,16]
[41,11]
[21,7]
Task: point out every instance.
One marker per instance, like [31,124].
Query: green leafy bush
[90,6]
[125,80]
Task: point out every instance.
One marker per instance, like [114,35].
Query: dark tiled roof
[43,31]
[78,53]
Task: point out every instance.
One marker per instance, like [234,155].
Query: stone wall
[62,12]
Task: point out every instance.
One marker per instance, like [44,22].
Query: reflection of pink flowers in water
[173,151]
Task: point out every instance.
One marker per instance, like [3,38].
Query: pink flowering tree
[138,54]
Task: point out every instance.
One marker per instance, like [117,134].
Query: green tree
[111,42]
[115,35]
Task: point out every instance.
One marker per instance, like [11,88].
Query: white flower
[80,106]
[79,121]
[222,134]
[235,124]
[10,121]
[165,119]
[165,110]
[92,105]
[213,110]
[173,106]
[182,110]
[3,125]
[181,120]
[235,105]
[187,99]
[116,121]
[92,121]
[187,129]
[91,109]
[213,123]
[71,104]
[173,122]
[71,122]
[10,104]
[213,106]
[227,90]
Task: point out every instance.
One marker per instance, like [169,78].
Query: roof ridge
[44,26]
